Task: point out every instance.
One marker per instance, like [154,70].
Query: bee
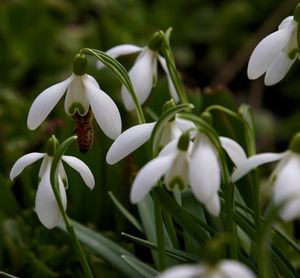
[84,130]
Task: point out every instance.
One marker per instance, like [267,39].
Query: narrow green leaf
[172,252]
[4,274]
[140,267]
[125,212]
[105,248]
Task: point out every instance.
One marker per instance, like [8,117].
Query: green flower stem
[160,237]
[168,55]
[72,234]
[69,226]
[251,149]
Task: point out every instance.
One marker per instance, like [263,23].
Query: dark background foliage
[212,42]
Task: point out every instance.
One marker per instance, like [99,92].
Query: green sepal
[295,143]
[160,125]
[52,146]
[156,41]
[79,64]
[297,13]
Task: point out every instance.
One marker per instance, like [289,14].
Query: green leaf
[125,212]
[142,268]
[172,252]
[104,247]
[4,274]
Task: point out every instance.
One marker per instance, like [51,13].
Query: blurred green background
[212,42]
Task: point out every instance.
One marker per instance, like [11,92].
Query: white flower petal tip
[234,269]
[82,169]
[182,271]
[105,111]
[148,176]
[120,50]
[129,141]
[45,102]
[213,206]
[254,161]
[23,162]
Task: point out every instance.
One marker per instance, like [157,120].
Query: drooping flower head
[143,74]
[45,203]
[82,93]
[183,163]
[285,178]
[276,53]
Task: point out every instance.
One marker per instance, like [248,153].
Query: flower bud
[52,145]
[156,41]
[295,143]
[79,64]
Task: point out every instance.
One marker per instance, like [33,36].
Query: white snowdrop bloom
[143,73]
[45,202]
[224,269]
[275,54]
[197,166]
[82,93]
[285,177]
[134,137]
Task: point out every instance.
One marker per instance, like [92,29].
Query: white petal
[182,271]
[266,52]
[81,168]
[204,171]
[184,124]
[286,22]
[149,175]
[253,162]
[105,111]
[23,162]
[129,141]
[213,205]
[287,188]
[45,202]
[233,269]
[172,89]
[76,94]
[141,75]
[120,50]
[169,148]
[45,102]
[234,150]
[278,69]
[63,174]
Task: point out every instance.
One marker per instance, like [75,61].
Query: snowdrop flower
[181,165]
[45,202]
[224,269]
[285,178]
[276,53]
[82,93]
[136,136]
[143,74]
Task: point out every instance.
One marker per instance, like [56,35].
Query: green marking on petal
[176,182]
[295,143]
[77,107]
[184,141]
[293,53]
